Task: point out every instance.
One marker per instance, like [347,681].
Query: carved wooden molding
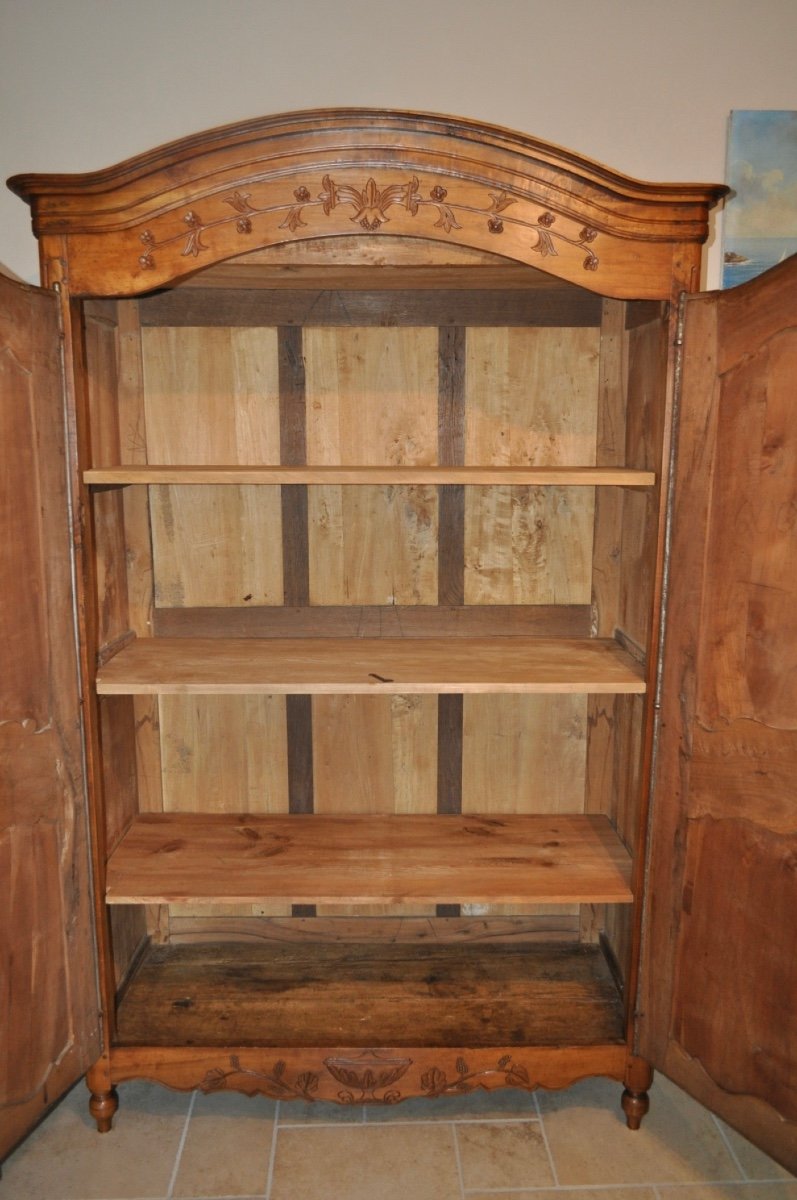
[371,206]
[384,1076]
[158,216]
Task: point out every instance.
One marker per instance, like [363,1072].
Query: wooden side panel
[46,940]
[100,332]
[719,1013]
[121,558]
[647,380]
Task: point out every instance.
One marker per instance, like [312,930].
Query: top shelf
[485,475]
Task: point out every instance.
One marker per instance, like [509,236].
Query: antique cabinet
[431,672]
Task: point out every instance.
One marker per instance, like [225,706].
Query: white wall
[643,85]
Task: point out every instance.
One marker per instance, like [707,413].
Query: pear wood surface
[487,475]
[388,994]
[400,666]
[368,858]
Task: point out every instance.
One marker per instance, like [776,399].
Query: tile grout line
[181,1146]
[273,1152]
[544,1133]
[457,1158]
[730,1148]
[533,1119]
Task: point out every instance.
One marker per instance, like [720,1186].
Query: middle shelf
[399,666]
[369,859]
[485,475]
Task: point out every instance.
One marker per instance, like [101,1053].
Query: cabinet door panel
[719,1010]
[48,1000]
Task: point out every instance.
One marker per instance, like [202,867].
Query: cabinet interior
[374,735]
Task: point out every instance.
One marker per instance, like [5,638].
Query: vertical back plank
[295,562]
[451,560]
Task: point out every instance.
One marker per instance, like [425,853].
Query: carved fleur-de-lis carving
[370,204]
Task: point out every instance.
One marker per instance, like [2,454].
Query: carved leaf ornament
[371,205]
[363,1078]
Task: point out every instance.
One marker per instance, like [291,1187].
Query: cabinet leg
[635,1105]
[636,1101]
[102,1106]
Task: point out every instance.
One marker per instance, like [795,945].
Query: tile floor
[569,1145]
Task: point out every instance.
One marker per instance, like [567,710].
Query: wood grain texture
[206,396]
[374,755]
[193,857]
[539,476]
[370,994]
[137,225]
[395,666]
[345,930]
[531,399]
[326,305]
[379,620]
[220,753]
[729,738]
[44,859]
[316,1073]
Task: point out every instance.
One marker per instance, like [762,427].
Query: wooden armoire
[399,573]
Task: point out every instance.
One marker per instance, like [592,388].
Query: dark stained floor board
[364,995]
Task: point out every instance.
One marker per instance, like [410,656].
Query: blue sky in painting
[762,170]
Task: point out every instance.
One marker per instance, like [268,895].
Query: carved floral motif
[368,1074]
[274,1083]
[371,206]
[435,1082]
[367,1078]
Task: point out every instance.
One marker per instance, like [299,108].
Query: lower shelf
[370,995]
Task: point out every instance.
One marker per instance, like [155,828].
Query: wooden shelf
[486,475]
[368,859]
[400,666]
[317,994]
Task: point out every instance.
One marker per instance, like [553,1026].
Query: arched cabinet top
[329,173]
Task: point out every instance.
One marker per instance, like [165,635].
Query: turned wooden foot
[102,1106]
[636,1102]
[635,1105]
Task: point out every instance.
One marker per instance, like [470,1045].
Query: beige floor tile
[366,1162]
[66,1157]
[754,1163]
[611,1193]
[730,1191]
[228,1146]
[510,1155]
[590,1144]
[501,1104]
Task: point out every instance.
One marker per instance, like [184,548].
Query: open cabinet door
[718,1009]
[48,994]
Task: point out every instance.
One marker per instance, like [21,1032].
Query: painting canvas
[760,227]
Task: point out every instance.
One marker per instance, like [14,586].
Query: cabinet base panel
[353,1075]
[371,994]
